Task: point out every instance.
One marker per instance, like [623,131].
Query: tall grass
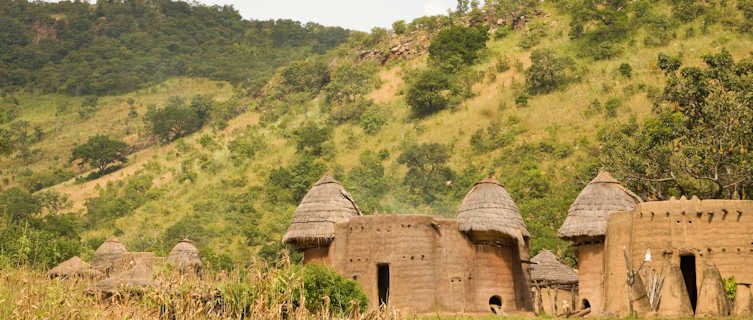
[260,291]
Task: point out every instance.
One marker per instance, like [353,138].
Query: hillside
[233,183]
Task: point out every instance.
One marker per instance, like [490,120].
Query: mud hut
[139,276]
[72,268]
[128,260]
[106,254]
[699,241]
[586,226]
[554,284]
[185,256]
[422,263]
[313,224]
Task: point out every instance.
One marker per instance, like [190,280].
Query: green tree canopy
[99,152]
[428,93]
[456,46]
[700,141]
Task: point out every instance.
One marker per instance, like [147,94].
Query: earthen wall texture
[591,275]
[715,232]
[433,267]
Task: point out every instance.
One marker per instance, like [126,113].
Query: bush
[310,138]
[611,106]
[372,121]
[399,27]
[178,119]
[456,47]
[547,72]
[626,70]
[428,93]
[533,36]
[305,76]
[349,82]
[502,32]
[320,281]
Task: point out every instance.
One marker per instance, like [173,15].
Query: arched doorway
[495,304]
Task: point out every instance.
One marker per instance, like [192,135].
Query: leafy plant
[100,152]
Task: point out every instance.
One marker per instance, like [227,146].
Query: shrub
[349,82]
[611,106]
[428,93]
[456,47]
[533,36]
[305,76]
[399,27]
[372,121]
[178,119]
[547,72]
[502,32]
[503,64]
[310,138]
[626,70]
[321,281]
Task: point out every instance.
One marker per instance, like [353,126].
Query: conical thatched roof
[489,208]
[108,252]
[314,220]
[72,268]
[185,255]
[587,217]
[549,270]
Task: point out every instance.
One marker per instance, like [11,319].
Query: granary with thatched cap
[586,226]
[185,256]
[313,224]
[106,254]
[554,284]
[488,213]
[422,263]
[138,276]
[73,268]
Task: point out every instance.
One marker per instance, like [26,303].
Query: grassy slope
[560,115]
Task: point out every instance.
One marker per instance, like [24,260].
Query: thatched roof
[72,268]
[549,270]
[314,220]
[489,208]
[587,217]
[108,252]
[185,255]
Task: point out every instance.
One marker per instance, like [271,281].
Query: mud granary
[677,253]
[421,263]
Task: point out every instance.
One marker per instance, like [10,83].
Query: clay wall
[433,267]
[591,275]
[320,255]
[716,232]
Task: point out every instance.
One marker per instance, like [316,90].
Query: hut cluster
[115,268]
[665,257]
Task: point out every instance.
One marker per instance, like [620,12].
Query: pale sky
[352,14]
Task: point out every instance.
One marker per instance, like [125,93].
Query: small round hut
[491,219]
[313,225]
[185,256]
[139,276]
[72,268]
[586,226]
[106,254]
[554,284]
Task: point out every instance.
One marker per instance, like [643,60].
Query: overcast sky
[352,14]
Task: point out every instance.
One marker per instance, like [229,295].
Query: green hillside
[534,102]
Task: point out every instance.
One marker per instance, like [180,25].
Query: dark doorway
[383,280]
[586,304]
[495,303]
[687,266]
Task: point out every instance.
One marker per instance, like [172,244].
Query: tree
[457,46]
[427,168]
[399,27]
[306,76]
[428,93]
[601,24]
[349,82]
[699,142]
[310,138]
[547,72]
[99,152]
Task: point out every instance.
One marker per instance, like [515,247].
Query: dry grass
[257,292]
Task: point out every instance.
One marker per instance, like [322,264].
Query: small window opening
[495,304]
[383,283]
[586,304]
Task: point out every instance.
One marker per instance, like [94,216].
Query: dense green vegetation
[120,46]
[541,103]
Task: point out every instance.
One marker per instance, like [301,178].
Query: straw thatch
[73,268]
[314,220]
[489,208]
[185,255]
[548,270]
[587,217]
[107,253]
[127,260]
[139,276]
